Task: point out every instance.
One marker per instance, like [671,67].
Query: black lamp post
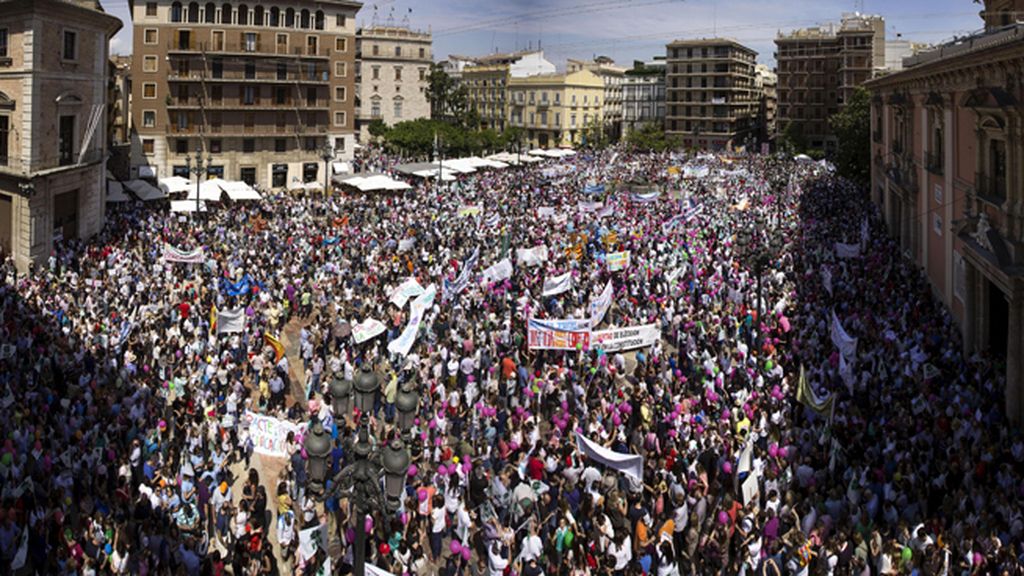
[327,154]
[201,167]
[366,384]
[318,447]
[341,396]
[407,402]
[360,482]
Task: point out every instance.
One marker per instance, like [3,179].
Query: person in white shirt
[621,549]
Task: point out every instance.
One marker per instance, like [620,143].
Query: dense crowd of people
[126,444]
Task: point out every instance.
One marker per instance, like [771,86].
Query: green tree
[594,135]
[792,139]
[852,128]
[651,138]
[377,128]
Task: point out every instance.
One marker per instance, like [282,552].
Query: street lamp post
[759,255]
[201,167]
[318,446]
[327,154]
[341,397]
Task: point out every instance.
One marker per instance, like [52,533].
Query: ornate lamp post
[407,401]
[367,384]
[318,447]
[326,154]
[341,396]
[201,168]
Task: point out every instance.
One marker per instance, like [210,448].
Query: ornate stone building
[948,152]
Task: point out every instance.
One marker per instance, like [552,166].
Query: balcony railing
[933,163]
[904,176]
[989,189]
[257,48]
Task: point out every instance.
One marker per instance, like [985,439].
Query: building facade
[54,70]
[557,110]
[487,83]
[392,75]
[119,119]
[948,177]
[766,84]
[643,96]
[818,70]
[261,89]
[613,77]
[710,94]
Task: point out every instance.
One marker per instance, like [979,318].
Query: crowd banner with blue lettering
[557,285]
[628,338]
[590,206]
[172,254]
[408,289]
[419,307]
[618,261]
[594,189]
[544,334]
[367,329]
[454,288]
[599,307]
[270,435]
[646,198]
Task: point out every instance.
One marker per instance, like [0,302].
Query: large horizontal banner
[419,307]
[270,435]
[231,321]
[557,285]
[408,289]
[406,244]
[557,334]
[625,338]
[590,206]
[367,329]
[618,261]
[172,254]
[498,272]
[599,307]
[629,464]
[469,210]
[532,256]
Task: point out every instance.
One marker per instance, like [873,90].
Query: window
[340,44]
[147,145]
[340,70]
[376,50]
[398,50]
[217,67]
[280,145]
[149,118]
[149,64]
[248,145]
[215,172]
[5,130]
[339,118]
[376,72]
[279,175]
[375,109]
[247,175]
[312,43]
[282,43]
[249,95]
[216,94]
[249,120]
[310,146]
[150,9]
[250,41]
[150,36]
[398,108]
[282,71]
[311,96]
[216,146]
[149,90]
[423,74]
[339,94]
[176,12]
[398,73]
[70,51]
[339,20]
[250,70]
[423,52]
[280,95]
[339,145]
[181,146]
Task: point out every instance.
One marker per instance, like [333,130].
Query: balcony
[321,77]
[933,163]
[191,46]
[989,189]
[256,105]
[904,175]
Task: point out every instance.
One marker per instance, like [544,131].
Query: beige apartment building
[613,78]
[818,70]
[54,71]
[948,177]
[557,110]
[711,99]
[487,82]
[766,82]
[392,75]
[261,88]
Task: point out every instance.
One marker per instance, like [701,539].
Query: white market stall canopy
[209,191]
[446,175]
[115,192]
[375,182]
[342,167]
[554,153]
[308,186]
[187,206]
[477,162]
[175,184]
[460,165]
[238,190]
[145,191]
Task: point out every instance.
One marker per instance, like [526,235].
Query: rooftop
[709,42]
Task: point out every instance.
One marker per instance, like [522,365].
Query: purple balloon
[413,470]
[467,554]
[455,547]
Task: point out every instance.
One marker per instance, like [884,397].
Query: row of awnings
[373,182]
[208,191]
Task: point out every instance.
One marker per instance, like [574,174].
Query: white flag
[557,285]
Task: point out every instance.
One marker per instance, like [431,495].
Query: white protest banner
[629,464]
[367,329]
[498,272]
[406,244]
[469,210]
[420,305]
[599,307]
[750,488]
[590,206]
[546,212]
[557,285]
[408,289]
[826,279]
[172,254]
[231,321]
[270,435]
[625,338]
[847,345]
[606,211]
[847,250]
[618,261]
[532,256]
[312,540]
[544,334]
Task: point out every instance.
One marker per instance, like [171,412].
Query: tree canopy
[852,128]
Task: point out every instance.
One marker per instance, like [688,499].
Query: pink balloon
[726,414]
[467,466]
[723,518]
[727,467]
[700,429]
[467,554]
[773,450]
[616,420]
[455,547]
[422,494]
[413,470]
[432,424]
[368,524]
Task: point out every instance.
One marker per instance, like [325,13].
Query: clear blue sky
[633,29]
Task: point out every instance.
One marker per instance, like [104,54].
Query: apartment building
[613,77]
[766,83]
[948,176]
[487,82]
[54,70]
[643,96]
[392,75]
[262,88]
[557,110]
[710,94]
[818,70]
